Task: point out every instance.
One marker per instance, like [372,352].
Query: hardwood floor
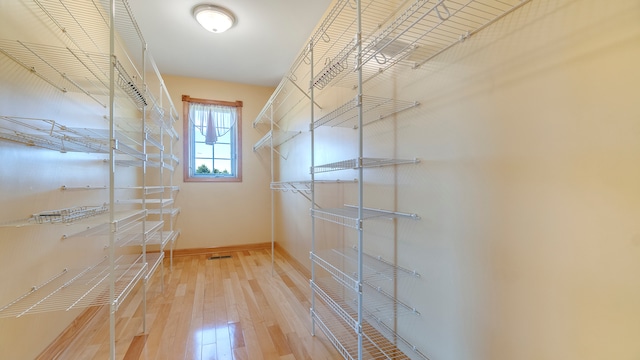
[225,308]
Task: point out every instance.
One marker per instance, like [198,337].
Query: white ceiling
[258,50]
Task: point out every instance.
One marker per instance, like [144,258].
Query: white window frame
[189,171]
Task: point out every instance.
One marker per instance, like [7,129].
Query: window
[212,140]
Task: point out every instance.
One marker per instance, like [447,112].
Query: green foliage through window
[203,169]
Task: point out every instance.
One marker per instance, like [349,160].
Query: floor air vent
[216,257]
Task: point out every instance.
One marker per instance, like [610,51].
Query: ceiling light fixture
[214,18]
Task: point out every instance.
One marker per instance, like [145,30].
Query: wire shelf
[159,189]
[275,138]
[335,307]
[49,134]
[374,109]
[352,164]
[339,275]
[379,310]
[69,69]
[61,216]
[150,138]
[409,35]
[154,260]
[163,239]
[304,185]
[340,216]
[376,270]
[100,225]
[129,86]
[338,333]
[134,234]
[84,288]
[374,344]
[293,186]
[348,216]
[158,202]
[68,215]
[133,163]
[288,98]
[380,341]
[87,187]
[159,121]
[169,159]
[173,212]
[378,283]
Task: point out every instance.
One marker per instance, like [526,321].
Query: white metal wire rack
[68,215]
[275,138]
[375,345]
[172,212]
[83,288]
[158,202]
[95,39]
[304,185]
[65,216]
[163,239]
[49,134]
[100,225]
[374,109]
[147,189]
[363,163]
[379,286]
[169,161]
[138,232]
[348,215]
[356,41]
[289,97]
[380,313]
[410,34]
[76,70]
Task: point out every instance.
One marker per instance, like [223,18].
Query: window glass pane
[226,138]
[222,150]
[223,165]
[198,137]
[204,150]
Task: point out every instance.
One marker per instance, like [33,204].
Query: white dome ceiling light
[214,18]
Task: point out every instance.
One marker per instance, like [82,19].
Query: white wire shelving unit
[355,42]
[101,55]
[81,288]
[351,305]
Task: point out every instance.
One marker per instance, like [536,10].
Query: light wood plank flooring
[227,308]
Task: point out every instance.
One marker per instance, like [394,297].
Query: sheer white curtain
[213,121]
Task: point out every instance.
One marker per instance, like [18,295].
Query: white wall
[231,213]
[528,135]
